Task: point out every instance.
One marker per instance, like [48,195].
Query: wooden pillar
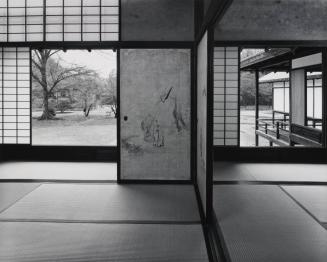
[256,105]
[324,97]
[297,85]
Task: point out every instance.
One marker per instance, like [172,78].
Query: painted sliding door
[155,98]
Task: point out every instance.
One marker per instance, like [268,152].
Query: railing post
[277,130]
[273,117]
[266,128]
[256,136]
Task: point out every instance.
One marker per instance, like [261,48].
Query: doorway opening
[74,97]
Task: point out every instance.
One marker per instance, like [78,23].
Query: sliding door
[155,100]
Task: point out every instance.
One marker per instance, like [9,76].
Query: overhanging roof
[275,59]
[284,76]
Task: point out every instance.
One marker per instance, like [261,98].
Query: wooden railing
[279,131]
[285,116]
[304,135]
[275,130]
[314,122]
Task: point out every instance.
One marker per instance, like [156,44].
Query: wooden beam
[216,10]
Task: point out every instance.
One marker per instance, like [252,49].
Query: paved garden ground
[73,128]
[247,128]
[99,129]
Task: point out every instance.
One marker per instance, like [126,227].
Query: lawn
[74,129]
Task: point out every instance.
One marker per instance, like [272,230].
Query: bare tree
[86,89]
[111,83]
[49,74]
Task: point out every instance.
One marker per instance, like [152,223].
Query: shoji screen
[314,98]
[59,20]
[281,96]
[109,20]
[54,20]
[226,96]
[21,20]
[14,96]
[34,20]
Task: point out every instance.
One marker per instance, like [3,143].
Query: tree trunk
[87,108]
[114,110]
[47,114]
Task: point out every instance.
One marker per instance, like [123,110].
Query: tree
[111,86]
[86,89]
[49,74]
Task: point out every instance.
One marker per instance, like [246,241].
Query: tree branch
[39,81]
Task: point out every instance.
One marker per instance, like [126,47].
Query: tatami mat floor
[269,172]
[58,171]
[100,222]
[263,223]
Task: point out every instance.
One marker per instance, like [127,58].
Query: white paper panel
[226,82]
[287,100]
[310,102]
[91,37]
[318,102]
[278,99]
[26,23]
[15,105]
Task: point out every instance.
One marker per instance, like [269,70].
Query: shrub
[63,106]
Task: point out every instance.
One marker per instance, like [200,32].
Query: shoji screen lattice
[59,20]
[14,96]
[226,96]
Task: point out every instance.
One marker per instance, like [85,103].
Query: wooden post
[256,105]
[324,97]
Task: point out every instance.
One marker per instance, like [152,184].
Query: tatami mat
[101,242]
[225,171]
[229,171]
[110,202]
[58,171]
[11,192]
[312,198]
[262,223]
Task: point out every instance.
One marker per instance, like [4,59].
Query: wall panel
[157,20]
[226,96]
[273,20]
